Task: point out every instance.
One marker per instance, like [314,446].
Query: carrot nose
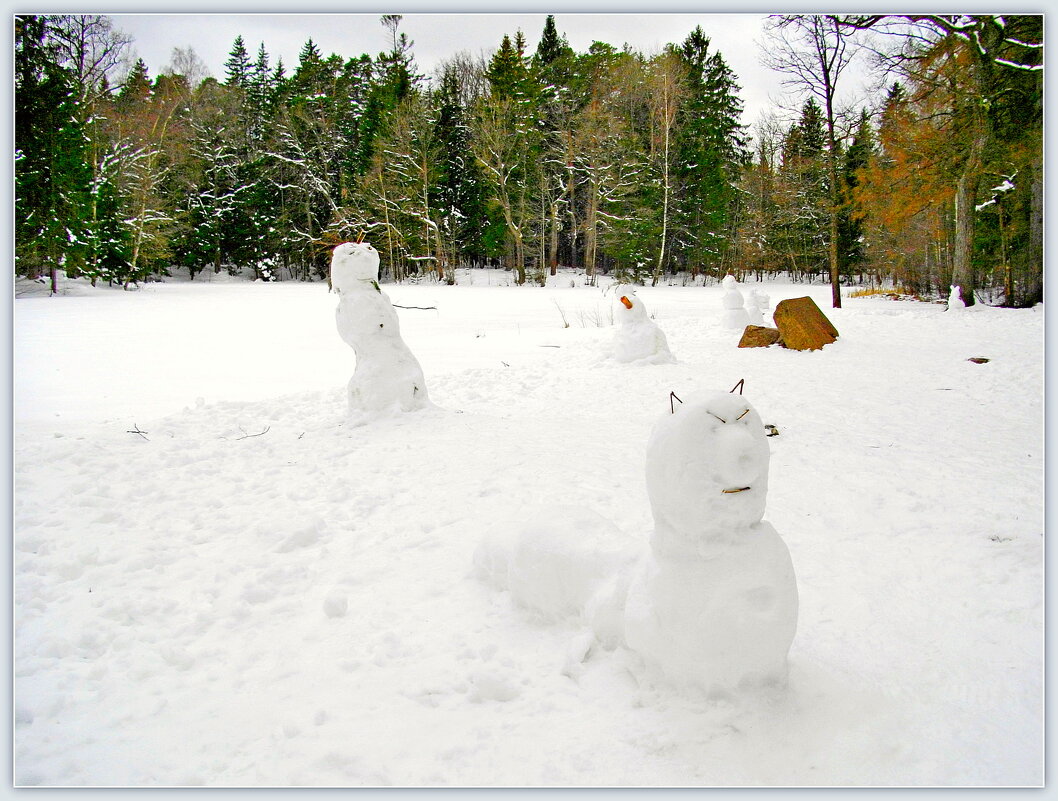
[626,302]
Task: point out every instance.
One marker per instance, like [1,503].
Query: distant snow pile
[955,301]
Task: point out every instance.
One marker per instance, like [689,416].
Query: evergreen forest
[611,161]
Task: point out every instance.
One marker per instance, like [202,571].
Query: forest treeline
[610,160]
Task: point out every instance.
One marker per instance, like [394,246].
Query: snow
[254,593]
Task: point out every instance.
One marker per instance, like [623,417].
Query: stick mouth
[731,491]
[626,302]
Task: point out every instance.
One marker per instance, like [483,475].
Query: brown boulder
[802,326]
[757,336]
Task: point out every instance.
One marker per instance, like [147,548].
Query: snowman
[756,306]
[955,301]
[639,338]
[735,315]
[387,375]
[711,602]
[714,603]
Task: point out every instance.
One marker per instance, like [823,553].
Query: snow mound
[553,559]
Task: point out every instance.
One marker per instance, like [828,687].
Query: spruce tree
[237,67]
[712,150]
[851,250]
[52,176]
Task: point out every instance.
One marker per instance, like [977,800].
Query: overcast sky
[437,36]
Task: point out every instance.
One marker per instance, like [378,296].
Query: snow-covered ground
[252,593]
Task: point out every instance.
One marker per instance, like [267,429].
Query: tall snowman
[735,315]
[387,377]
[638,338]
[714,602]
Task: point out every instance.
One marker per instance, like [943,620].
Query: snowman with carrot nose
[638,338]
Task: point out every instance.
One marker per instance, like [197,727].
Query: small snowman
[639,338]
[714,603]
[955,301]
[387,377]
[735,315]
[756,306]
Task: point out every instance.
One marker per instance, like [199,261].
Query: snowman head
[707,469]
[630,308]
[729,281]
[354,265]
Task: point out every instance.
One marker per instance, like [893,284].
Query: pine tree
[52,176]
[802,195]
[851,250]
[712,149]
[458,192]
[237,67]
[137,87]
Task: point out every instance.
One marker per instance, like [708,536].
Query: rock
[802,326]
[758,336]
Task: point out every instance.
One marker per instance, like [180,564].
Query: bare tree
[185,61]
[91,47]
[813,50]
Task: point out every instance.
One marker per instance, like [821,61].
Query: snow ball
[354,267]
[707,469]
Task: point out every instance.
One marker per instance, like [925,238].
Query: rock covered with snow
[714,603]
[387,377]
[638,338]
[735,315]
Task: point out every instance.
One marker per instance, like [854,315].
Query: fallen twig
[136,430]
[423,308]
[672,406]
[247,436]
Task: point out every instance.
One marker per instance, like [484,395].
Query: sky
[437,36]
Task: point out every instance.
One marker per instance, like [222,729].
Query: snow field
[256,593]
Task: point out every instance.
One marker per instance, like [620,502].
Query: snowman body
[714,602]
[638,338]
[735,315]
[387,376]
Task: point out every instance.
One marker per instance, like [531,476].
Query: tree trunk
[552,256]
[965,199]
[591,233]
